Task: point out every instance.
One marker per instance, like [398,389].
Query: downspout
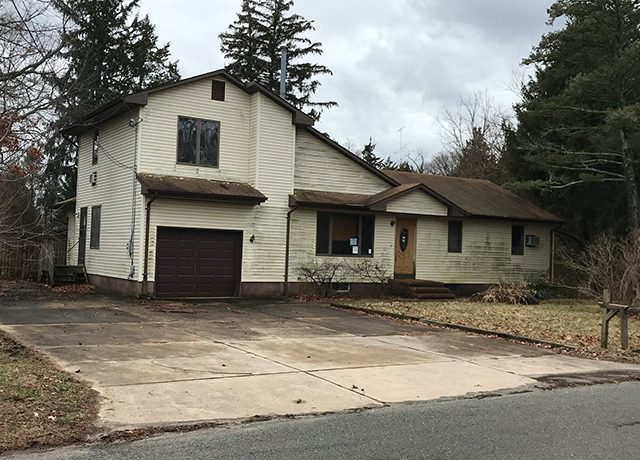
[285,289]
[145,274]
[552,255]
[134,123]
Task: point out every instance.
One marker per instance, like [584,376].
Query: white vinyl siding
[114,192]
[417,202]
[486,252]
[320,167]
[159,131]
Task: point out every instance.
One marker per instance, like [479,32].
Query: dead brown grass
[39,404]
[573,322]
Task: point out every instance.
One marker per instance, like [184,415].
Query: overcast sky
[397,64]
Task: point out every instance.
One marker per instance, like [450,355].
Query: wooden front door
[405,258]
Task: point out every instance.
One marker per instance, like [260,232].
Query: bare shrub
[609,262]
[373,272]
[322,275]
[517,292]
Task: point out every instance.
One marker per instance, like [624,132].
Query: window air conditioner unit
[532,241]
[93,178]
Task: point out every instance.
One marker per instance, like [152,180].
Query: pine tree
[479,161]
[368,155]
[579,122]
[241,44]
[253,44]
[108,51]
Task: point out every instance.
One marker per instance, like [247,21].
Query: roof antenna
[283,72]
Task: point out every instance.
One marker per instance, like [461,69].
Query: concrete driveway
[164,362]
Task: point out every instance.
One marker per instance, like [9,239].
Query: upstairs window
[517,240]
[455,236]
[95,147]
[217,90]
[344,234]
[198,142]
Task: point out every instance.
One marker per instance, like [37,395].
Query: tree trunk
[631,186]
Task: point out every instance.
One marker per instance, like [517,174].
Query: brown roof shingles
[478,197]
[186,187]
[329,199]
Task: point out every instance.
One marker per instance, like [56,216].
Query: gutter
[145,274]
[285,289]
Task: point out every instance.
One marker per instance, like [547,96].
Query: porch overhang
[178,187]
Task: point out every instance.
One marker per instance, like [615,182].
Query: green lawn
[567,321]
[39,404]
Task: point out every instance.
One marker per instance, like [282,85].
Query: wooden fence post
[624,329]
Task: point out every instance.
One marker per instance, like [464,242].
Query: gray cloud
[397,65]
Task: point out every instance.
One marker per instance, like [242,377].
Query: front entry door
[82,236]
[405,258]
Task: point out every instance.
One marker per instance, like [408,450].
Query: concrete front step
[430,290]
[435,296]
[421,289]
[417,283]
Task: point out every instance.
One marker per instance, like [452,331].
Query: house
[210,187]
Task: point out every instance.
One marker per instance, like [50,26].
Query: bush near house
[323,275]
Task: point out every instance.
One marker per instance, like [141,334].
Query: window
[95,227]
[344,234]
[217,90]
[455,236]
[95,147]
[198,141]
[517,240]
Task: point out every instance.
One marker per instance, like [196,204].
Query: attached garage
[197,262]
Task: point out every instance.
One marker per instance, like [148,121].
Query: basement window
[198,142]
[344,234]
[455,236]
[517,240]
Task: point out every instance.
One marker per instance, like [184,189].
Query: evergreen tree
[579,123]
[252,45]
[368,155]
[108,51]
[479,161]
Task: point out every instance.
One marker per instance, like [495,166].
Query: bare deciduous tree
[29,50]
[609,262]
[477,112]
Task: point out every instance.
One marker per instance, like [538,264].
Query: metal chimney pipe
[283,72]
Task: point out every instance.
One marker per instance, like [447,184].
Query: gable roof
[125,104]
[374,202]
[477,197]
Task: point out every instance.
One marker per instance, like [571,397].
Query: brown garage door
[197,263]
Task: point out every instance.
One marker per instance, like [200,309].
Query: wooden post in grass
[604,331]
[610,310]
[624,329]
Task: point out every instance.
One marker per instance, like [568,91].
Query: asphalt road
[597,422]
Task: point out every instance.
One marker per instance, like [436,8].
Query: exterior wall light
[252,238]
